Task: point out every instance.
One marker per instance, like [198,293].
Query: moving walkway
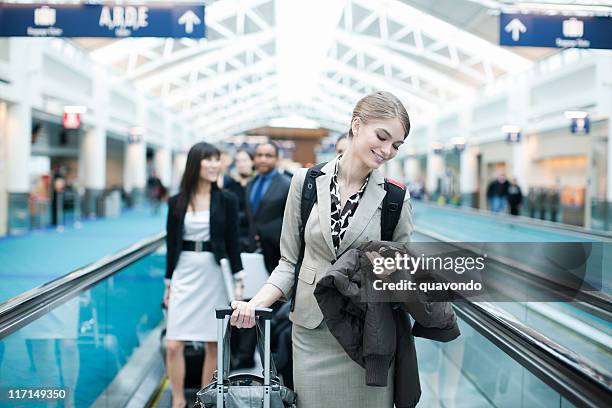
[95,333]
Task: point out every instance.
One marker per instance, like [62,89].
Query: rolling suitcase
[245,390]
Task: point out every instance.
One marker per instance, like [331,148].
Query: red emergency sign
[72,120]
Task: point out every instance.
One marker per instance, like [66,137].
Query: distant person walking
[244,173]
[497,193]
[342,144]
[542,201]
[156,192]
[554,200]
[202,228]
[58,187]
[224,178]
[531,199]
[515,197]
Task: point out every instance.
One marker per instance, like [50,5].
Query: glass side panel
[86,343]
[472,372]
[566,323]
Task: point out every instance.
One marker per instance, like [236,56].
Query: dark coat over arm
[374,334]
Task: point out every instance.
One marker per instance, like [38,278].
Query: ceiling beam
[402,64]
[246,92]
[443,32]
[239,109]
[401,89]
[210,83]
[184,68]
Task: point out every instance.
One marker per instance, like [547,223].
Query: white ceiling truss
[236,78]
[408,31]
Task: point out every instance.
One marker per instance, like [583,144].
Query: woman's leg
[210,363]
[175,363]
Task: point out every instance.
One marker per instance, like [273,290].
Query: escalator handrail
[19,310]
[573,377]
[586,233]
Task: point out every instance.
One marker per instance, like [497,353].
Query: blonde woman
[347,214]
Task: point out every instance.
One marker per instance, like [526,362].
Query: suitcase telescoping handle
[263,313]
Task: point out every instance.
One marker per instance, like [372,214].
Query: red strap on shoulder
[397,183]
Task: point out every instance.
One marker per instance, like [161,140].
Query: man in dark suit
[266,198]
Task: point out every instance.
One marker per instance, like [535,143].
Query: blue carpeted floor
[39,257]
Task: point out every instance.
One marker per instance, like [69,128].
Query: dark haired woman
[202,228]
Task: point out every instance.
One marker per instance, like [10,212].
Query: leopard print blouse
[340,216]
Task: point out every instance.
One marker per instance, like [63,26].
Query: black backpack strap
[309,198]
[391,208]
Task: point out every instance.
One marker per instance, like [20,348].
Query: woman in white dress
[202,228]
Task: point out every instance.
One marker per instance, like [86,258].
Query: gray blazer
[319,253]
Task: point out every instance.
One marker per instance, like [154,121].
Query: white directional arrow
[517,27]
[189,19]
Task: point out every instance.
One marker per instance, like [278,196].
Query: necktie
[258,193]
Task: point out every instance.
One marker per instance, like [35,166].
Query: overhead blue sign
[580,126]
[555,31]
[85,20]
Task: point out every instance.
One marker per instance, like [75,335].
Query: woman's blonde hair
[380,105]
